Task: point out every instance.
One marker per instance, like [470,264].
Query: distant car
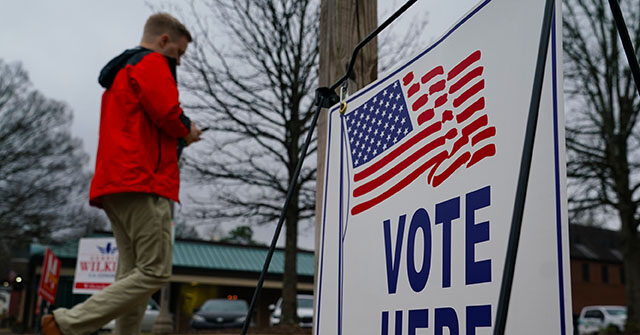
[305,311]
[5,298]
[220,313]
[150,316]
[593,319]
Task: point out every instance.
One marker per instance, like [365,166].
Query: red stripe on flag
[437,180]
[477,72]
[398,151]
[441,100]
[459,144]
[468,93]
[383,178]
[400,185]
[475,125]
[474,57]
[437,87]
[431,74]
[425,116]
[483,135]
[465,114]
[486,151]
[420,102]
[408,78]
[447,116]
[451,134]
[413,89]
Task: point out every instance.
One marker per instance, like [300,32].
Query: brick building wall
[596,283]
[596,267]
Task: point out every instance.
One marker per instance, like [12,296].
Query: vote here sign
[420,184]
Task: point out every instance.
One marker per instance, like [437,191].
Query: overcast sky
[63,44]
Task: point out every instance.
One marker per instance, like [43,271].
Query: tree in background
[186,231]
[603,138]
[43,188]
[250,76]
[241,235]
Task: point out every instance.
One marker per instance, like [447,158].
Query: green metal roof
[207,255]
[66,250]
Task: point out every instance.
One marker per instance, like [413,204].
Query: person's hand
[194,134]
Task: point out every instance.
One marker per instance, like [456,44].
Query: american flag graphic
[430,123]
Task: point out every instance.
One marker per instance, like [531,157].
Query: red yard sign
[50,276]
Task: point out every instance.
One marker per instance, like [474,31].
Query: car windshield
[617,311]
[153,305]
[233,306]
[305,302]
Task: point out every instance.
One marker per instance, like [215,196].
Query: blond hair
[163,23]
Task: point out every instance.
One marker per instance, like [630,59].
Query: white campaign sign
[96,265]
[421,178]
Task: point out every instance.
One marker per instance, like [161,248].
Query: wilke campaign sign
[96,265]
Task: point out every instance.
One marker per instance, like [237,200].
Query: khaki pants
[141,224]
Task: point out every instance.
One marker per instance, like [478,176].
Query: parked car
[593,319]
[5,298]
[220,313]
[305,311]
[150,316]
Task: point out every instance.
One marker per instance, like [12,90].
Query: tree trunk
[631,252]
[290,276]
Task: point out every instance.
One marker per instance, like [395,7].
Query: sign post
[96,265]
[422,172]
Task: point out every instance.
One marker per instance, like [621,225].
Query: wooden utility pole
[343,23]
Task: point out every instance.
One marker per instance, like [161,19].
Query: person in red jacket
[136,176]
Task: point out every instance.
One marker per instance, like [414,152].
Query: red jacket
[140,124]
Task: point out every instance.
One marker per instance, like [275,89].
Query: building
[201,270]
[597,274]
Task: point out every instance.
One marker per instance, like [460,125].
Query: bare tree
[241,235]
[43,188]
[602,130]
[249,76]
[397,43]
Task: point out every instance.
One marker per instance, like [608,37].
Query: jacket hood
[109,71]
[129,56]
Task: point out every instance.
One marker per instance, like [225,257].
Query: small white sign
[96,265]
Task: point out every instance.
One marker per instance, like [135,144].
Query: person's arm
[153,83]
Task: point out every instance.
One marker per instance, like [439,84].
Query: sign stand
[525,169]
[527,153]
[626,42]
